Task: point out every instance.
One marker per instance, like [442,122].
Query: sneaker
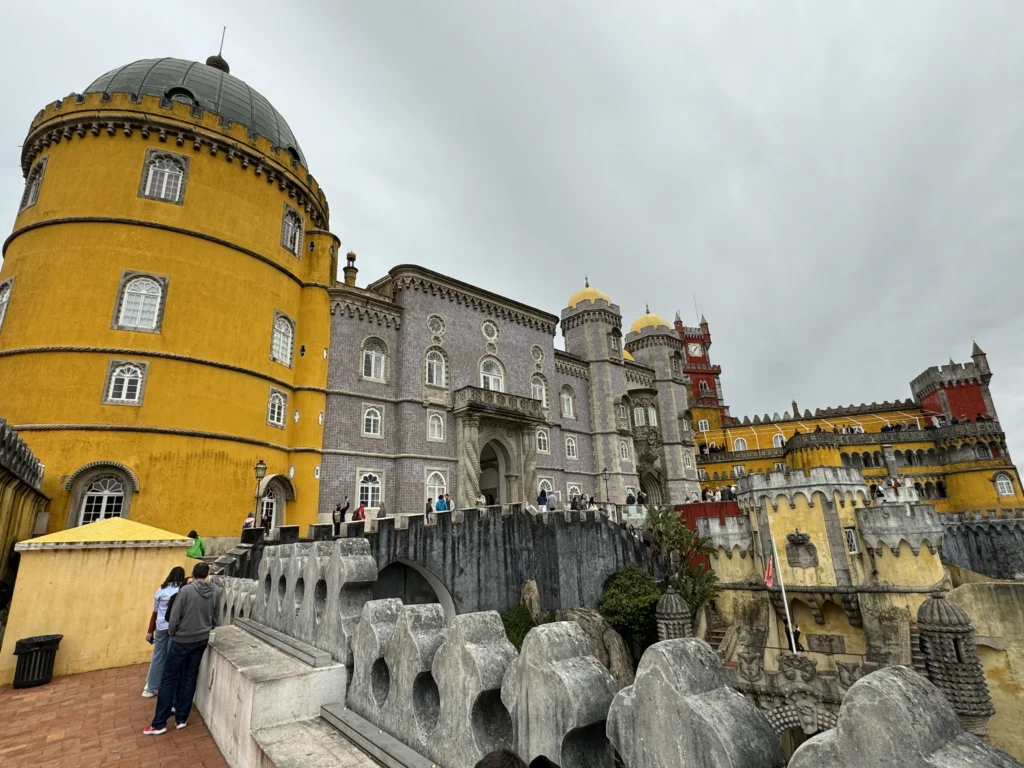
[148,694]
[179,726]
[149,730]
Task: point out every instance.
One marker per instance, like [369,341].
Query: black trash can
[35,660]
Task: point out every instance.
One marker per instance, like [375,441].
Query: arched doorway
[275,491]
[413,585]
[494,465]
[650,484]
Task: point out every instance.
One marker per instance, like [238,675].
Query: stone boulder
[682,713]
[606,644]
[895,718]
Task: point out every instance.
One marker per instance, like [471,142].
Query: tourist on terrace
[440,506]
[339,516]
[430,505]
[250,521]
[157,634]
[198,548]
[192,617]
[448,503]
[360,513]
[542,500]
[380,511]
[630,498]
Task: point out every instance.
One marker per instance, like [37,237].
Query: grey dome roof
[938,612]
[210,86]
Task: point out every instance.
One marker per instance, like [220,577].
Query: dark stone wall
[994,548]
[483,558]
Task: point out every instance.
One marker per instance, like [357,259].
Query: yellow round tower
[164,318]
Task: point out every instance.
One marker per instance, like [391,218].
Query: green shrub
[518,622]
[628,603]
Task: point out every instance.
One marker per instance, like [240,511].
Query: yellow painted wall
[997,612]
[99,599]
[219,308]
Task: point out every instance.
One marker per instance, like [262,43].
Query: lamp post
[261,472]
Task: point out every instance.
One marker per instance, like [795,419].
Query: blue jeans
[178,684]
[156,666]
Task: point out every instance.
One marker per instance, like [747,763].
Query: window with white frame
[780,466]
[102,499]
[739,470]
[568,403]
[370,494]
[687,461]
[268,506]
[436,485]
[125,384]
[778,440]
[652,416]
[5,299]
[372,419]
[164,177]
[702,425]
[574,490]
[704,388]
[623,411]
[283,341]
[1004,484]
[539,389]
[639,416]
[570,448]
[435,369]
[435,427]
[542,441]
[623,450]
[291,231]
[375,354]
[140,304]
[739,444]
[277,405]
[492,375]
[545,485]
[851,541]
[32,185]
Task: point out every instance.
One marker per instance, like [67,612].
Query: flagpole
[785,602]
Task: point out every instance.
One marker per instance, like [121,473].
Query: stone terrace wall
[483,556]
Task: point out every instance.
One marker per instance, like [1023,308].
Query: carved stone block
[825,643]
[370,686]
[558,696]
[800,552]
[681,711]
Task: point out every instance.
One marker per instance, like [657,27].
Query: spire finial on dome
[648,307]
[586,281]
[217,61]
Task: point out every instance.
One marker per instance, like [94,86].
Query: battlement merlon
[953,374]
[890,523]
[845,482]
[727,533]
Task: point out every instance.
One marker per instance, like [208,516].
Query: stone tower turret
[951,656]
[592,327]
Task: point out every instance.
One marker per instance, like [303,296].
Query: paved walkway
[95,719]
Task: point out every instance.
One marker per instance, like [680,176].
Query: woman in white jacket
[157,634]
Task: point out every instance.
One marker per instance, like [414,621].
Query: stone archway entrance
[414,585]
[650,485]
[494,473]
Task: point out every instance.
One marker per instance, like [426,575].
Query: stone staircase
[916,656]
[716,631]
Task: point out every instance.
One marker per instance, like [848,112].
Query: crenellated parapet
[842,485]
[890,524]
[728,534]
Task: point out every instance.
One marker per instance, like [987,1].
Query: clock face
[695,350]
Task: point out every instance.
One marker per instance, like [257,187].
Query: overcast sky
[840,184]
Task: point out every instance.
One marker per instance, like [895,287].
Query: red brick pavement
[94,719]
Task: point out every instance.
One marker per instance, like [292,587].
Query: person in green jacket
[198,548]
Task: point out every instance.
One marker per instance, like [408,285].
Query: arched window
[282,341]
[779,441]
[276,409]
[570,448]
[568,403]
[704,388]
[435,428]
[140,304]
[371,422]
[5,299]
[125,384]
[370,490]
[492,376]
[539,389]
[652,416]
[542,441]
[268,506]
[545,485]
[103,498]
[639,417]
[623,450]
[981,451]
[436,486]
[739,444]
[1004,484]
[940,489]
[32,185]
[164,179]
[436,369]
[291,232]
[375,354]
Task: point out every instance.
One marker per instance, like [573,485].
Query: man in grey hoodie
[189,621]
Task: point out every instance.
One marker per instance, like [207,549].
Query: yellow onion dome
[648,321]
[626,355]
[586,293]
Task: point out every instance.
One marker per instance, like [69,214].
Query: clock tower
[708,406]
